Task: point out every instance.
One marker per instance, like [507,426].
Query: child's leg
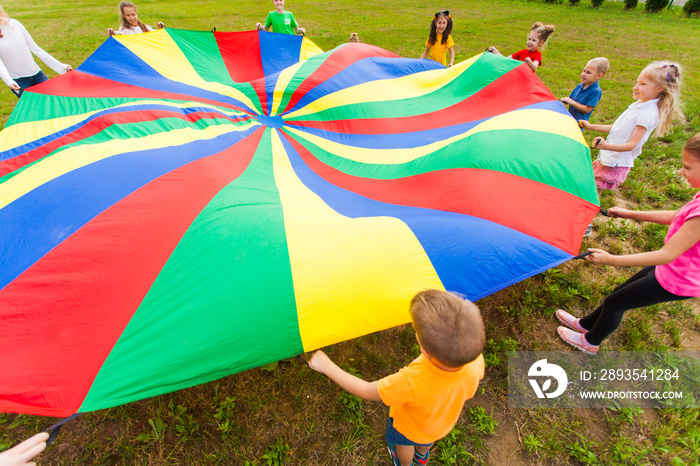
[405,454]
[420,457]
[641,290]
[422,450]
[589,320]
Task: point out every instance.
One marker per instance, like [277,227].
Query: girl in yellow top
[440,41]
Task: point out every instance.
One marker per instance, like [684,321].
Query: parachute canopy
[187,205]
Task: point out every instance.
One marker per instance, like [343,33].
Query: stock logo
[542,368]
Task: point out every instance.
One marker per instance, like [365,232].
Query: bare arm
[682,240]
[356,386]
[634,139]
[580,107]
[300,30]
[452,56]
[532,64]
[664,217]
[425,52]
[600,128]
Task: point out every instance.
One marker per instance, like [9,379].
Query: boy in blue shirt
[281,21]
[586,95]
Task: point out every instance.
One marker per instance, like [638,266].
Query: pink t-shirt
[682,276]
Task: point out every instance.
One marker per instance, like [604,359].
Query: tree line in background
[691,7]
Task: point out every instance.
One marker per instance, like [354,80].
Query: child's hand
[110,31]
[567,100]
[618,212]
[69,68]
[599,257]
[585,124]
[258,26]
[302,30]
[160,25]
[492,49]
[21,454]
[598,143]
[15,87]
[320,362]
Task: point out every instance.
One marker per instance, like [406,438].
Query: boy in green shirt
[281,21]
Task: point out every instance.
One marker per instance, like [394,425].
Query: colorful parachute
[187,205]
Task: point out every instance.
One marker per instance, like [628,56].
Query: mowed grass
[290,415]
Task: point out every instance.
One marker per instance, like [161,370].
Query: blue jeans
[29,81]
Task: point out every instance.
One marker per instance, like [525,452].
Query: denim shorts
[29,81]
[397,438]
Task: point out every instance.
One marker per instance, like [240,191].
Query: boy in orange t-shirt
[426,397]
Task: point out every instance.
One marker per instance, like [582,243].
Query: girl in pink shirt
[672,273]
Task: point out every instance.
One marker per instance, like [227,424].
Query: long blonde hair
[125,23]
[4,17]
[667,75]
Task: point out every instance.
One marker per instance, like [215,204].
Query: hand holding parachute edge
[22,453]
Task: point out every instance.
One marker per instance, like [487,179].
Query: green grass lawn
[291,415]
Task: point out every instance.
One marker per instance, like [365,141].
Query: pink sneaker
[577,340]
[569,320]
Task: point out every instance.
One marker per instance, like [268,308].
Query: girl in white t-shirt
[17,66]
[658,104]
[131,24]
[672,273]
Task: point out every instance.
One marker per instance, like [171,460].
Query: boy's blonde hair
[692,146]
[667,75]
[449,328]
[602,64]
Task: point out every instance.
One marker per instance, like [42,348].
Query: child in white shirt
[17,66]
[658,91]
[131,24]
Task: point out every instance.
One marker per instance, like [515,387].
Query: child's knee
[422,450]
[405,454]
